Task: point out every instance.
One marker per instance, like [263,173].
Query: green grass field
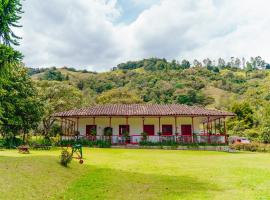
[135,174]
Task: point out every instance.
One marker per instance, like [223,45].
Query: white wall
[136,124]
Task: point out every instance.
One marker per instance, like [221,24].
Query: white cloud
[83,33]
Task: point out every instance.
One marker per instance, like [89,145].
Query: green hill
[244,91]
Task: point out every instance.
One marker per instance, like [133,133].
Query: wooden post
[61,124]
[175,124]
[212,127]
[192,129]
[215,127]
[159,124]
[219,124]
[94,121]
[77,124]
[209,139]
[110,123]
[225,131]
[143,123]
[203,128]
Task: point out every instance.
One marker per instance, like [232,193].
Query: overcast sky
[99,34]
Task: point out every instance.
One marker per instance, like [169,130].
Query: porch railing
[180,139]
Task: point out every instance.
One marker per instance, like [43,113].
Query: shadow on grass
[105,183]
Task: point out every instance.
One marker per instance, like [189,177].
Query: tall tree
[56,97]
[20,109]
[10,14]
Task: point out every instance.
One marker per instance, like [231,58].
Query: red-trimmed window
[149,129]
[186,129]
[123,128]
[89,128]
[167,129]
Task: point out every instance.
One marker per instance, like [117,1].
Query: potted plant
[108,131]
[144,136]
[126,136]
[93,133]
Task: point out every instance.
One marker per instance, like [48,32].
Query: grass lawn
[135,174]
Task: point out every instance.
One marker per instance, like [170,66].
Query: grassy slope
[221,97]
[136,174]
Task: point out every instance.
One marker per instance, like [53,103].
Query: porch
[137,123]
[162,139]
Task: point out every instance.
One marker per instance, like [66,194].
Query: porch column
[77,124]
[159,124]
[61,124]
[110,122]
[203,128]
[209,139]
[225,131]
[175,124]
[215,126]
[219,121]
[192,129]
[143,123]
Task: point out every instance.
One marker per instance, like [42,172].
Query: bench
[42,147]
[23,149]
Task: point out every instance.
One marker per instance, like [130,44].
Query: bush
[254,147]
[11,142]
[265,135]
[85,142]
[65,157]
[108,131]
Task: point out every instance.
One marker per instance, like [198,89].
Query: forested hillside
[242,87]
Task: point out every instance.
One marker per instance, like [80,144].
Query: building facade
[127,123]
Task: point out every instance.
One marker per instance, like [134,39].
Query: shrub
[11,142]
[108,131]
[103,144]
[265,135]
[144,135]
[65,157]
[254,146]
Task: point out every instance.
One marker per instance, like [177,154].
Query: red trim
[88,128]
[186,129]
[149,129]
[121,127]
[167,129]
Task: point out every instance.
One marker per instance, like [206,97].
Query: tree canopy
[10,14]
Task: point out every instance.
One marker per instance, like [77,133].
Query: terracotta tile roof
[143,110]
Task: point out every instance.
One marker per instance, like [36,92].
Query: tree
[221,63]
[243,113]
[57,97]
[197,63]
[20,109]
[54,75]
[185,64]
[121,95]
[10,11]
[8,56]
[208,63]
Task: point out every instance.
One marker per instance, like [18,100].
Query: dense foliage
[10,14]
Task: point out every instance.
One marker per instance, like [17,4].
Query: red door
[149,129]
[89,128]
[186,130]
[167,129]
[123,128]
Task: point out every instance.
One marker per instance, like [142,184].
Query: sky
[99,34]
